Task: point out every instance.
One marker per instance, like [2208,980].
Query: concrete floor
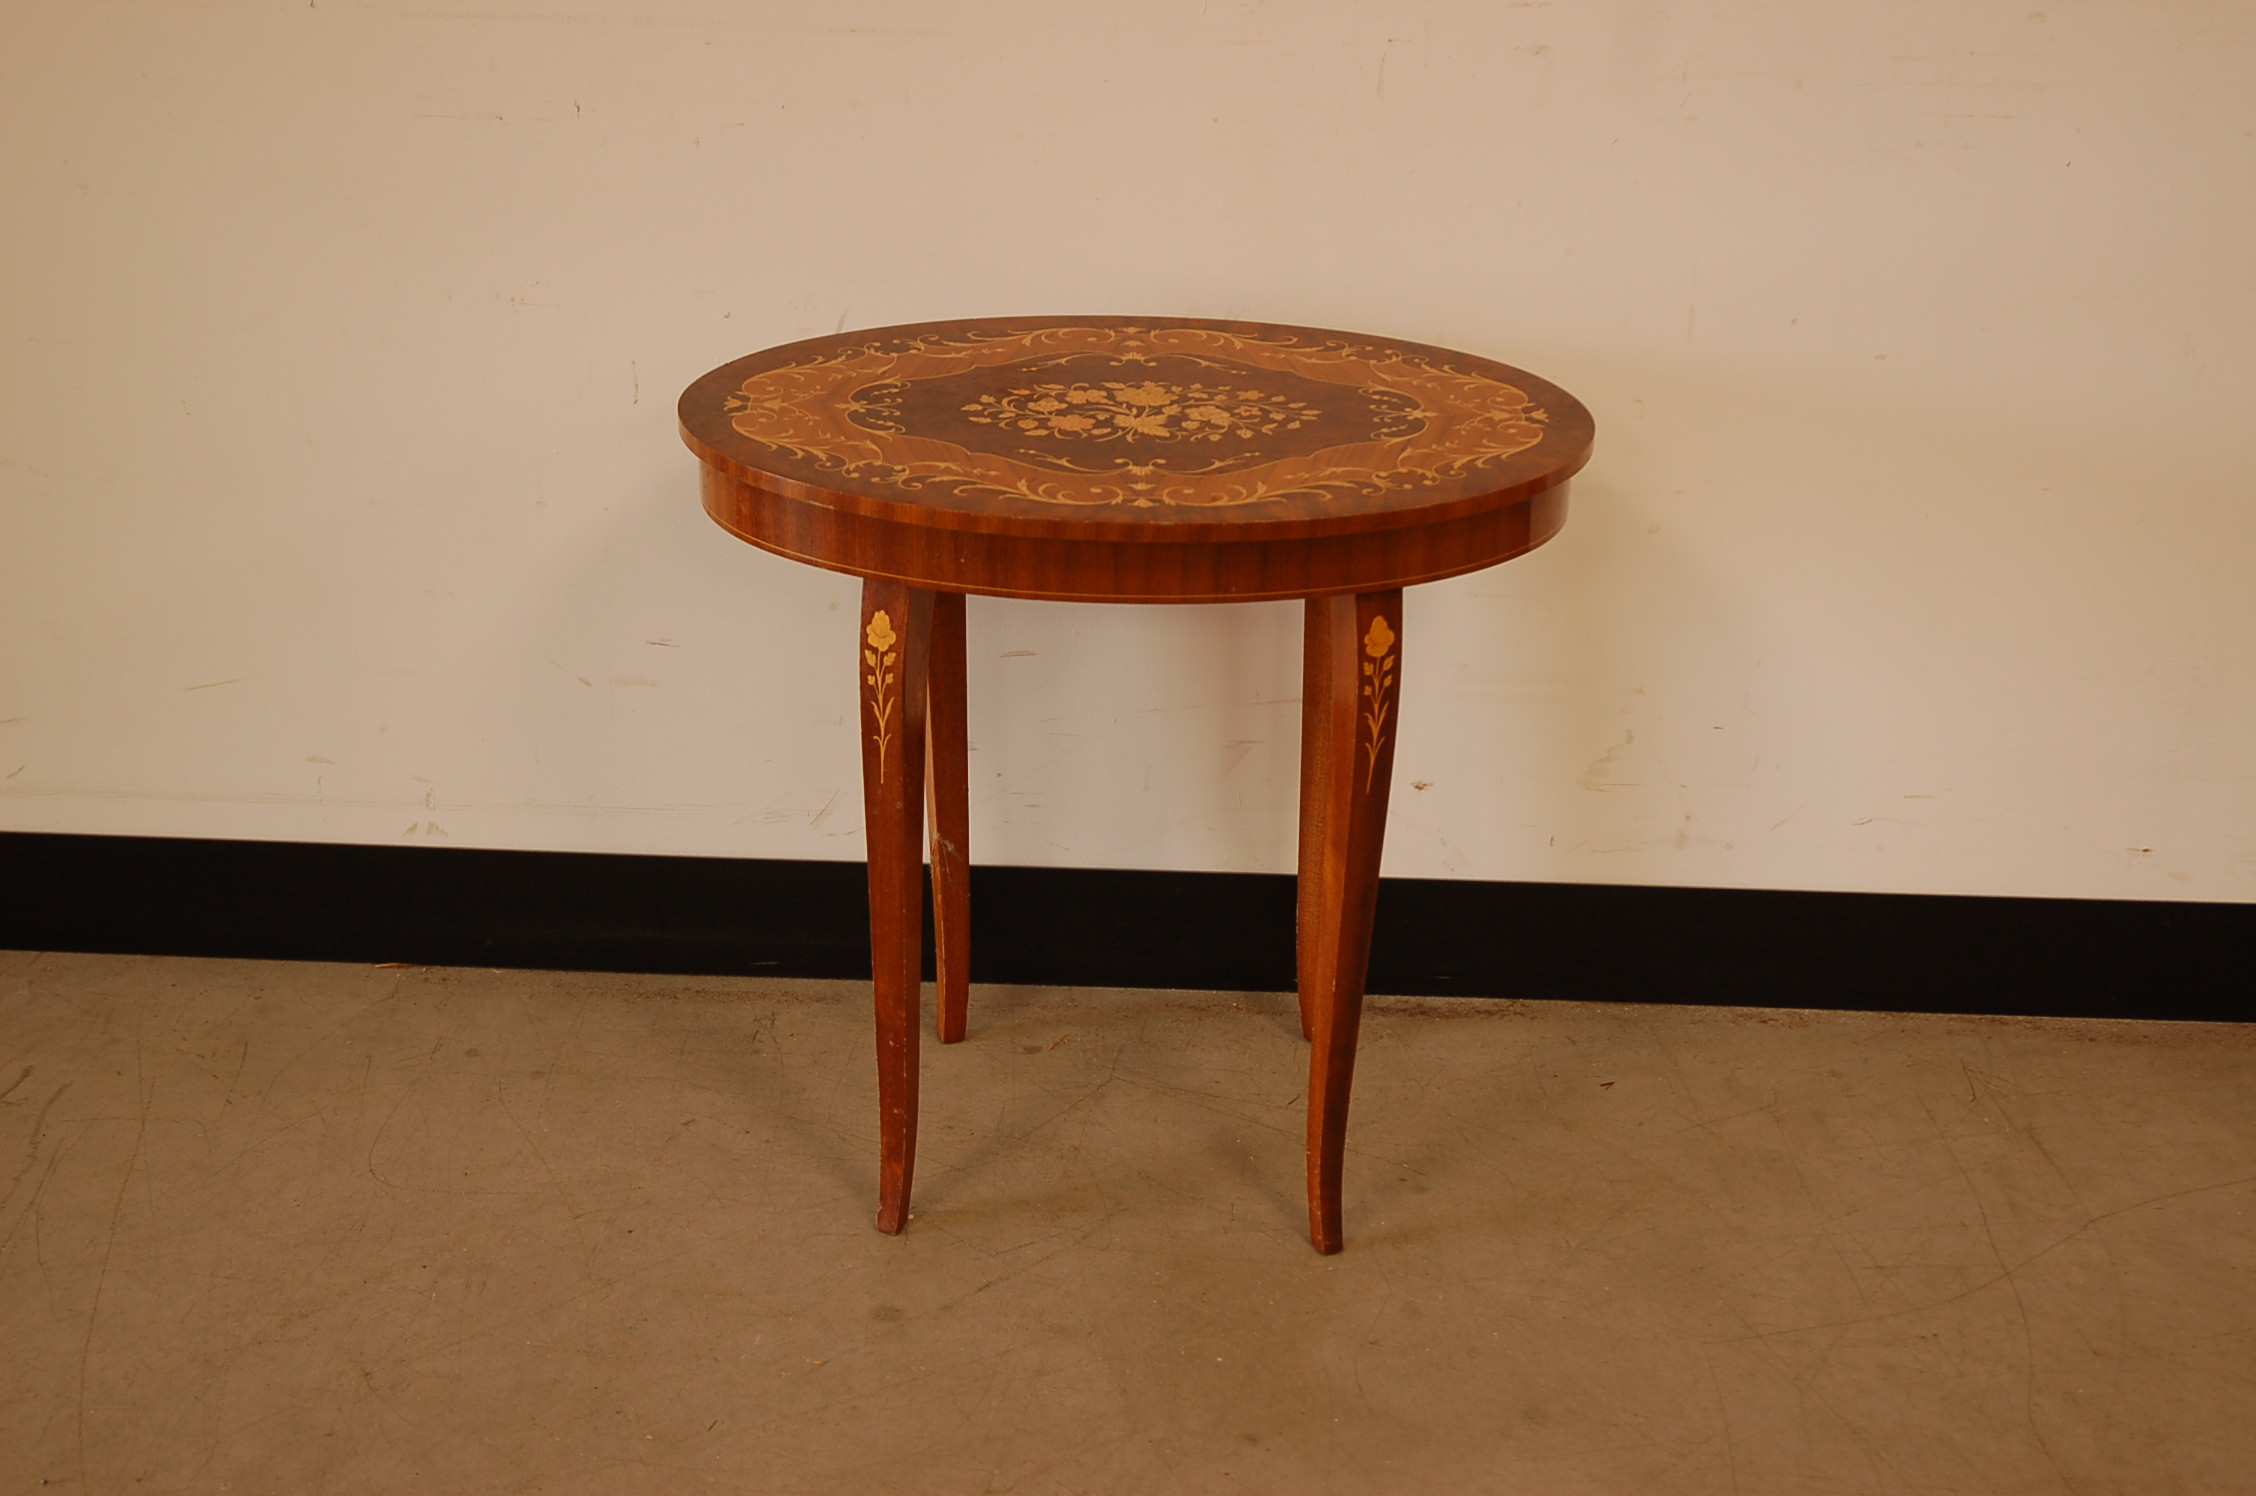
[297,1228]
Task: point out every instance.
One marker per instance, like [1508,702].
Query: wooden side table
[1129,459]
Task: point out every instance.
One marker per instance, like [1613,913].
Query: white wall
[342,499]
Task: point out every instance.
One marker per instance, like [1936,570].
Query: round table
[1128,459]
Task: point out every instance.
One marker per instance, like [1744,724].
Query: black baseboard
[1230,931]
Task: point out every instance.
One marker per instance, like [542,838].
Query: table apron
[1149,571]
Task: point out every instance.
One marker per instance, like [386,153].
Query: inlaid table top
[1161,431]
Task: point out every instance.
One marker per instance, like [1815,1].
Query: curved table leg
[949,785]
[1310,927]
[1352,673]
[894,651]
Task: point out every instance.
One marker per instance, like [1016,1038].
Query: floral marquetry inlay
[879,662]
[1086,413]
[1378,693]
[1147,411]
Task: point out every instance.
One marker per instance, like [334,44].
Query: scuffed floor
[298,1228]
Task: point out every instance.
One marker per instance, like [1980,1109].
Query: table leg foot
[895,653]
[949,785]
[1352,672]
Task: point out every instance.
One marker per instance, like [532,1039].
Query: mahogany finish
[1117,459]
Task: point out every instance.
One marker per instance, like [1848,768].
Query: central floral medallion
[1136,417]
[1147,411]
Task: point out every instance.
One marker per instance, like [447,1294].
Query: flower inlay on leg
[880,657]
[1378,689]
